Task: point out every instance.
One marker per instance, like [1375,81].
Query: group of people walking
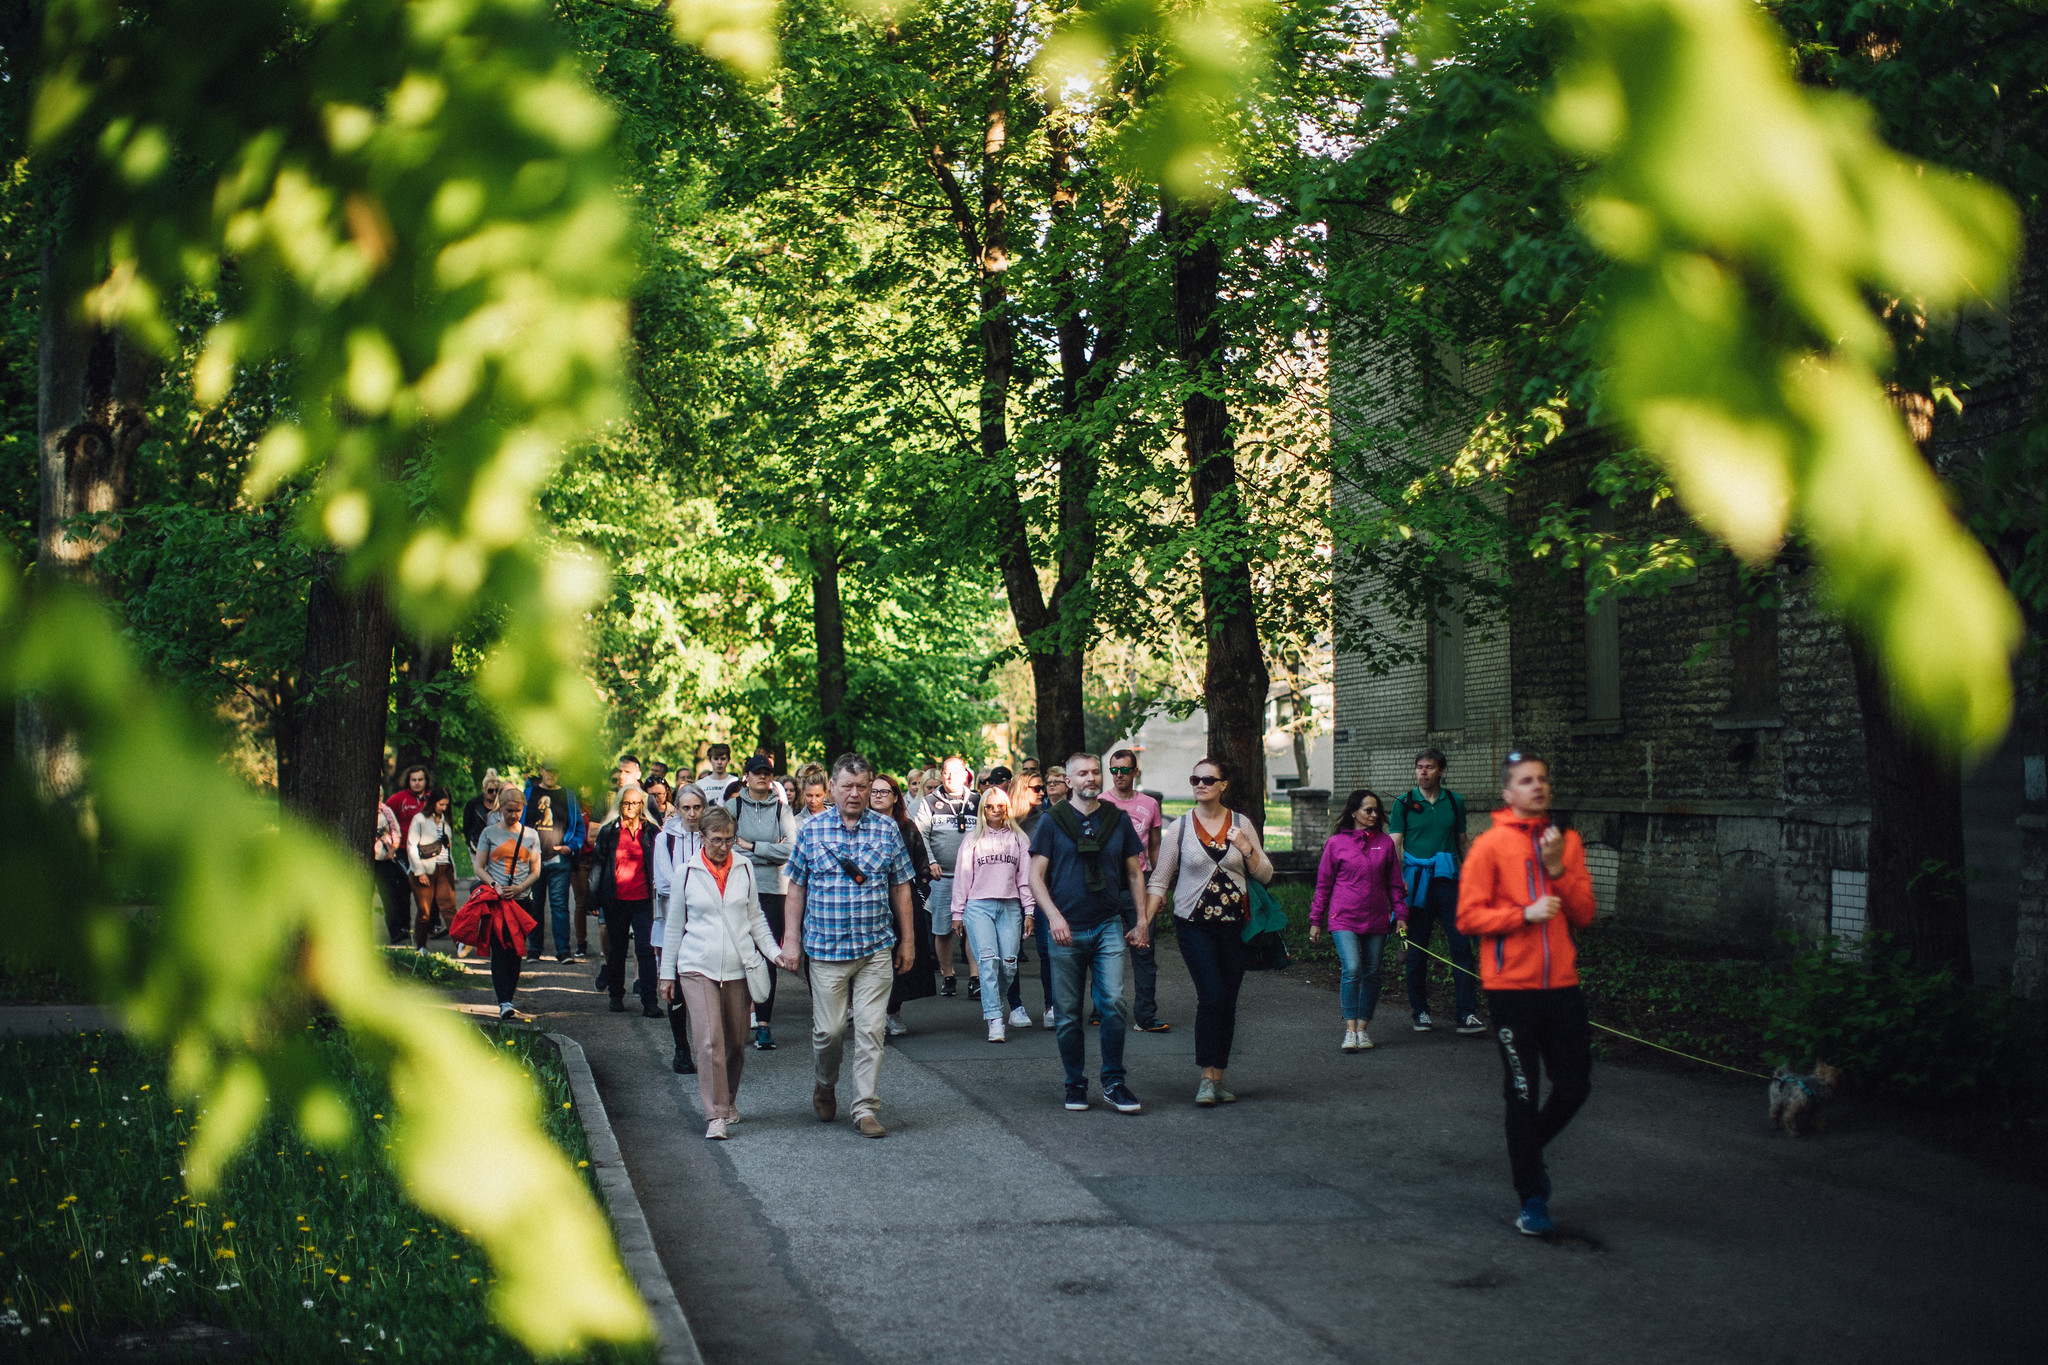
[871,887]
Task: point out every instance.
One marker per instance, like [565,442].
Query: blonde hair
[715,820]
[490,776]
[981,824]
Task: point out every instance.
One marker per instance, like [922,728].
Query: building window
[1446,658]
[1753,675]
[1604,864]
[1847,898]
[1603,642]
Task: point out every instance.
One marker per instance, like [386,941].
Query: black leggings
[771,908]
[505,972]
[619,917]
[1539,1029]
[1215,958]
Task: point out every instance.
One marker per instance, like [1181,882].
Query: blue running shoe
[1534,1220]
[1077,1097]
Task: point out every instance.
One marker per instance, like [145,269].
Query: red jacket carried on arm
[1503,876]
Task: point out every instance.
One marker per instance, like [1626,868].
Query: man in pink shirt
[1145,819]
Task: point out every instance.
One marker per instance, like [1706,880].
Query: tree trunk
[420,703]
[92,386]
[828,620]
[1235,679]
[771,743]
[338,733]
[1055,642]
[1915,885]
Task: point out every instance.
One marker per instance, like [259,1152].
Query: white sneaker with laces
[1020,1017]
[996,1032]
[1350,1040]
[1049,1019]
[1365,1043]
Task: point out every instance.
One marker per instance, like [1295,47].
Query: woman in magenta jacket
[1359,896]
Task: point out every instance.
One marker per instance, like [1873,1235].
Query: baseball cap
[758,763]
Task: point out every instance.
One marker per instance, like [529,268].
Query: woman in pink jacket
[1359,896]
[992,901]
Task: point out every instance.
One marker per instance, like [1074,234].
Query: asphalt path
[1348,1208]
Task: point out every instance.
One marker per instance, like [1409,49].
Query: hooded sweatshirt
[1502,877]
[673,848]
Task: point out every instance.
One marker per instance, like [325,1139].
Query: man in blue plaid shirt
[848,906]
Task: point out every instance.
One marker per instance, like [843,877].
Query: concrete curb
[678,1345]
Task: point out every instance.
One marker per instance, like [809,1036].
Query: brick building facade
[1716,774]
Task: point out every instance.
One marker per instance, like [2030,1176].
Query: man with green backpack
[1428,825]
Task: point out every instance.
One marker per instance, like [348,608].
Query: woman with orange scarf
[717,957]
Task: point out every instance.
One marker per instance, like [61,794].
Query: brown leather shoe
[826,1101]
[867,1125]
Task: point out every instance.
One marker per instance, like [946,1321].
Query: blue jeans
[1098,952]
[1441,908]
[1144,969]
[994,928]
[554,883]
[1041,937]
[1358,984]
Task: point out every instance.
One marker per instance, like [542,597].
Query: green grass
[317,1255]
[435,969]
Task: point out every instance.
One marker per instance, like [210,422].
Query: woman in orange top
[1523,889]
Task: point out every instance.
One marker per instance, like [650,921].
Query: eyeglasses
[1121,772]
[1199,781]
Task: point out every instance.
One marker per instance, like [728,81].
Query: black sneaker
[684,1064]
[946,987]
[618,1004]
[1121,1098]
[1471,1026]
[1077,1096]
[650,1010]
[1423,1023]
[604,977]
[974,987]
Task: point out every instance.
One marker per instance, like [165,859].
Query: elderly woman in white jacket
[717,957]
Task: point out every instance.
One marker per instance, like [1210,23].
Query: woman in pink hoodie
[1359,897]
[992,901]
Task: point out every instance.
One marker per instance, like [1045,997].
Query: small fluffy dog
[1799,1103]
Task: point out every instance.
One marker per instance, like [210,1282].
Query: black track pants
[1539,1031]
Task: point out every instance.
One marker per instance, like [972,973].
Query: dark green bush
[1890,1027]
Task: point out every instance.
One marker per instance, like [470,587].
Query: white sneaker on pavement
[894,1026]
[996,1032]
[1020,1017]
[1350,1040]
[1049,1019]
[1365,1043]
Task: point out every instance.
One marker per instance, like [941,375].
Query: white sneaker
[895,1027]
[1020,1017]
[1350,1040]
[1049,1021]
[996,1032]
[1365,1044]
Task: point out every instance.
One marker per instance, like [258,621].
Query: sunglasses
[1199,781]
[1121,772]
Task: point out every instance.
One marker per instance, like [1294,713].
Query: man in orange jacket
[1524,889]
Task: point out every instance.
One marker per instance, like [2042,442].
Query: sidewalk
[1349,1208]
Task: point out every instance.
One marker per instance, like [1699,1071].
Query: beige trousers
[866,981]
[718,1025]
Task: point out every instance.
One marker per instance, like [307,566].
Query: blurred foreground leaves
[1765,242]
